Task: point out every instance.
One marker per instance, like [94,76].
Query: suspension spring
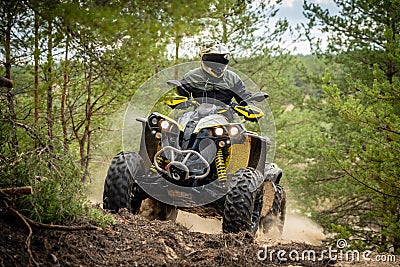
[161,161]
[220,166]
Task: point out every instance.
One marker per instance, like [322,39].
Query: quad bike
[206,162]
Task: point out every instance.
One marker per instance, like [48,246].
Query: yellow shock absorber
[220,166]
[161,162]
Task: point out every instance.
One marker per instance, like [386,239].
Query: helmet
[214,58]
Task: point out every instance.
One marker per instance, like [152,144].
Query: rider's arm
[241,93]
[186,90]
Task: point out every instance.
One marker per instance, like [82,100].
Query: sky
[293,11]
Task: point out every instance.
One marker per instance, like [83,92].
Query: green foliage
[58,192]
[100,218]
[372,146]
[355,178]
[358,152]
[362,34]
[246,26]
[56,180]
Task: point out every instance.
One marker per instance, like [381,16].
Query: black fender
[272,173]
[258,153]
[148,144]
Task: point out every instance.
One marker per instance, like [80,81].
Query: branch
[388,130]
[30,222]
[4,82]
[61,227]
[366,185]
[16,191]
[32,131]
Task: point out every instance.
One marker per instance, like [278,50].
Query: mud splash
[296,229]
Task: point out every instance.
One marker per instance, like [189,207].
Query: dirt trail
[191,241]
[136,241]
[296,229]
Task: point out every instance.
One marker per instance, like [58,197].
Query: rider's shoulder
[232,76]
[194,72]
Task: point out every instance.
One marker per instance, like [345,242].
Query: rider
[213,79]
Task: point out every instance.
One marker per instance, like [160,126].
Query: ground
[135,241]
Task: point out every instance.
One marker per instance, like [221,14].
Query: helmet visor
[217,58]
[217,68]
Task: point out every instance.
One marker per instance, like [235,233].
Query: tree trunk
[224,30]
[36,70]
[64,97]
[10,95]
[85,141]
[49,86]
[396,241]
[8,45]
[177,43]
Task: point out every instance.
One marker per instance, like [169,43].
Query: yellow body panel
[175,100]
[239,157]
[250,112]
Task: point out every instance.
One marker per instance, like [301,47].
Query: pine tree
[359,150]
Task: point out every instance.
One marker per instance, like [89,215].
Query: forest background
[75,65]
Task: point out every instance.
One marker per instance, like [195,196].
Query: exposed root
[28,239]
[31,223]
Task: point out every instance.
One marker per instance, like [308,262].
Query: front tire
[241,207]
[119,181]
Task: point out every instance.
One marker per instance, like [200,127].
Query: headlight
[154,121]
[164,125]
[233,131]
[219,131]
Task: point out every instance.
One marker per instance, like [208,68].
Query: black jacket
[200,84]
